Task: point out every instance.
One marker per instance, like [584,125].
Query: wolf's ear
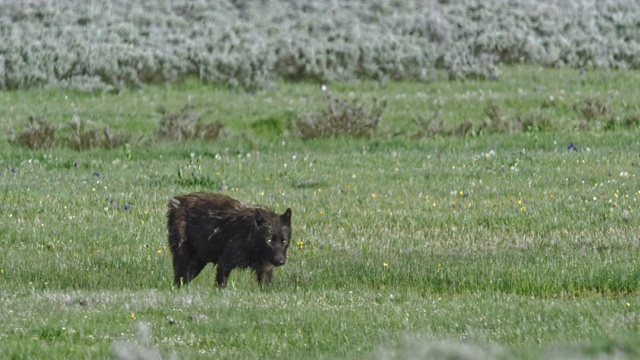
[286,217]
[259,219]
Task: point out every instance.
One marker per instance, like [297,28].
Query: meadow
[515,238]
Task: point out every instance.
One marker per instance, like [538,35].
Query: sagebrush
[341,117]
[37,133]
[186,124]
[105,46]
[84,134]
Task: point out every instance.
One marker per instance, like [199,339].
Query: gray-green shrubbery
[106,45]
[341,117]
[186,124]
[39,133]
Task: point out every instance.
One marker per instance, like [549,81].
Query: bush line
[108,45]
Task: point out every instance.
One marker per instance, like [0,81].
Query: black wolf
[214,228]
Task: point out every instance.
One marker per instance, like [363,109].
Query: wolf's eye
[269,240]
[284,242]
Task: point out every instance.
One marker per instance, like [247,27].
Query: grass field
[508,242]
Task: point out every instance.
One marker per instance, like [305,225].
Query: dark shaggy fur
[213,228]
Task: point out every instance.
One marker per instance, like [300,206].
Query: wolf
[213,228]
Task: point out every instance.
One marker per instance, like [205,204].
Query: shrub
[592,109]
[85,135]
[341,116]
[108,45]
[495,121]
[431,126]
[534,121]
[186,124]
[36,134]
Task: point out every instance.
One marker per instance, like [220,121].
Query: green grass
[504,245]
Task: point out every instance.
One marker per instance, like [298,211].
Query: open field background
[508,244]
[494,216]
